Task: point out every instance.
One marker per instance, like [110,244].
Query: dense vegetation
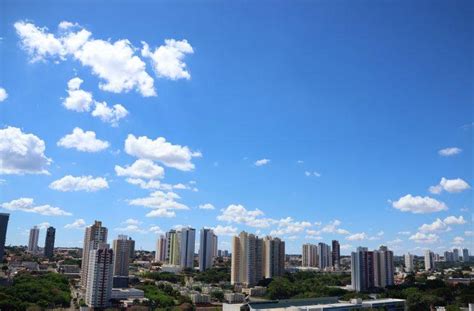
[28,290]
[162,295]
[213,276]
[164,276]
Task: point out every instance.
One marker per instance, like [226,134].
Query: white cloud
[131,228]
[308,174]
[162,213]
[77,100]
[162,203]
[27,205]
[167,60]
[131,221]
[346,247]
[175,156]
[396,241]
[115,63]
[404,232]
[428,238]
[77,224]
[450,185]
[418,204]
[141,168]
[262,162]
[447,152]
[155,230]
[109,114]
[43,225]
[225,230]
[458,240]
[333,227]
[207,206]
[239,214]
[452,220]
[22,153]
[79,183]
[3,94]
[437,225]
[83,141]
[289,226]
[357,237]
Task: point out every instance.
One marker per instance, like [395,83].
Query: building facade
[4,217]
[49,242]
[94,235]
[310,255]
[273,257]
[121,248]
[429,260]
[206,249]
[33,240]
[160,255]
[324,256]
[336,254]
[187,247]
[409,262]
[100,278]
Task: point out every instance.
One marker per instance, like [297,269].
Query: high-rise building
[49,242]
[33,240]
[448,256]
[187,244]
[362,269]
[310,255]
[336,254]
[465,255]
[456,255]
[3,232]
[383,267]
[160,255]
[236,264]
[215,245]
[99,278]
[273,257]
[173,247]
[94,235]
[132,247]
[121,248]
[324,256]
[206,249]
[409,262]
[429,260]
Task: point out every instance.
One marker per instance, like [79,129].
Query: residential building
[93,236]
[456,255]
[215,245]
[172,247]
[310,255]
[324,256]
[336,254]
[160,255]
[448,256]
[99,278]
[409,262]
[187,245]
[383,267]
[49,242]
[273,257]
[132,248]
[121,248]
[362,269]
[247,261]
[4,217]
[429,260]
[465,255]
[33,240]
[206,249]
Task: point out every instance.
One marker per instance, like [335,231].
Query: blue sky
[350,103]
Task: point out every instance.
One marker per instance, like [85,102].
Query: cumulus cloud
[421,237]
[418,204]
[108,114]
[80,183]
[458,240]
[453,220]
[3,94]
[175,156]
[141,168]
[163,204]
[333,227]
[131,227]
[207,206]
[357,237]
[22,153]
[85,141]
[77,224]
[28,205]
[239,214]
[308,174]
[225,230]
[157,185]
[262,162]
[437,225]
[77,100]
[167,60]
[447,152]
[450,185]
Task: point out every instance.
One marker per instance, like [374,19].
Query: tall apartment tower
[246,259]
[99,279]
[324,256]
[3,232]
[273,257]
[336,254]
[362,269]
[235,261]
[49,242]
[132,248]
[94,235]
[187,244]
[383,267]
[206,249]
[409,262]
[429,260]
[215,245]
[33,240]
[160,255]
[310,255]
[465,255]
[121,248]
[456,254]
[173,247]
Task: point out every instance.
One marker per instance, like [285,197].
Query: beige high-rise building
[254,258]
[160,255]
[94,235]
[409,262]
[173,247]
[121,247]
[310,255]
[99,279]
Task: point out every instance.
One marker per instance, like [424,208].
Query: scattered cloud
[141,168]
[22,153]
[85,141]
[458,240]
[207,206]
[447,152]
[78,100]
[27,205]
[3,94]
[43,225]
[357,237]
[236,213]
[175,156]
[452,220]
[163,204]
[77,224]
[80,183]
[308,174]
[450,185]
[262,162]
[110,115]
[225,230]
[428,238]
[418,204]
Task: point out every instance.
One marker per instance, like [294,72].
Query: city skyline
[299,138]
